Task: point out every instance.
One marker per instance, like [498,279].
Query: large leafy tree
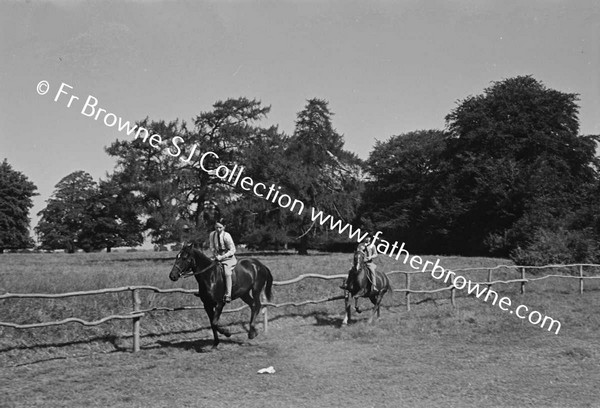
[111,219]
[516,164]
[82,214]
[173,189]
[16,192]
[153,180]
[256,221]
[511,176]
[64,218]
[397,199]
[229,130]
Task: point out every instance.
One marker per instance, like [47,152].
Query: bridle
[359,260]
[192,273]
[189,271]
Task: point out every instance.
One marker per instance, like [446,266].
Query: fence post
[523,282]
[489,279]
[452,296]
[407,291]
[136,320]
[581,279]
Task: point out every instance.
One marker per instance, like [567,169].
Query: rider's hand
[218,257]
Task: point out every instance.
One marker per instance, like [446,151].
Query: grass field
[434,355]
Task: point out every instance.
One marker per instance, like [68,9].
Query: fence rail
[137,313]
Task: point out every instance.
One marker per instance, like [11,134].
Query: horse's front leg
[358,310]
[210,311]
[215,321]
[347,304]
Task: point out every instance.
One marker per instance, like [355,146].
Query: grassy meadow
[433,355]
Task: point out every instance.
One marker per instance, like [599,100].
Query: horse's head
[184,261]
[359,260]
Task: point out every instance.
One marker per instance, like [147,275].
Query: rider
[223,248]
[370,254]
[368,248]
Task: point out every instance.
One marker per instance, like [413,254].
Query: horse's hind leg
[376,300]
[255,305]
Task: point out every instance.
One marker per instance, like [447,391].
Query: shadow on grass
[199,346]
[110,338]
[321,318]
[117,342]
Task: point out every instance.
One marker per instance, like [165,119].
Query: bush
[337,246]
[265,239]
[558,247]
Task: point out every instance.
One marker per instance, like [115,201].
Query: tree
[321,173]
[397,198]
[228,130]
[64,218]
[171,185]
[153,181]
[111,219]
[256,221]
[509,177]
[16,192]
[516,164]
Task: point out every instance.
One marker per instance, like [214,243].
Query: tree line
[509,176]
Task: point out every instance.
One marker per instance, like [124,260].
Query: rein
[188,274]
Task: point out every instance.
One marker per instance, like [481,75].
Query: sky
[385,67]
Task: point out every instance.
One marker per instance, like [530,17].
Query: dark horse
[249,278]
[359,285]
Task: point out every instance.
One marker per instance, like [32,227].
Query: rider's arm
[372,252]
[229,245]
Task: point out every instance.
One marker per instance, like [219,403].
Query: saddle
[221,272]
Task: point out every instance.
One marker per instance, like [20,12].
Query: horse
[249,278]
[359,285]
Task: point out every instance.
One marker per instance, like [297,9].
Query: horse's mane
[199,256]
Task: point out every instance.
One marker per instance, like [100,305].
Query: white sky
[386,67]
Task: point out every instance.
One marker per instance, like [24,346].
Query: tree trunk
[303,246]
[108,249]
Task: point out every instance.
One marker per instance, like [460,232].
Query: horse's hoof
[358,310]
[252,334]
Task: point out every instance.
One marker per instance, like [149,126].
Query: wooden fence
[137,312]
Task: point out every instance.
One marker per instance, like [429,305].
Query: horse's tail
[269,287]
